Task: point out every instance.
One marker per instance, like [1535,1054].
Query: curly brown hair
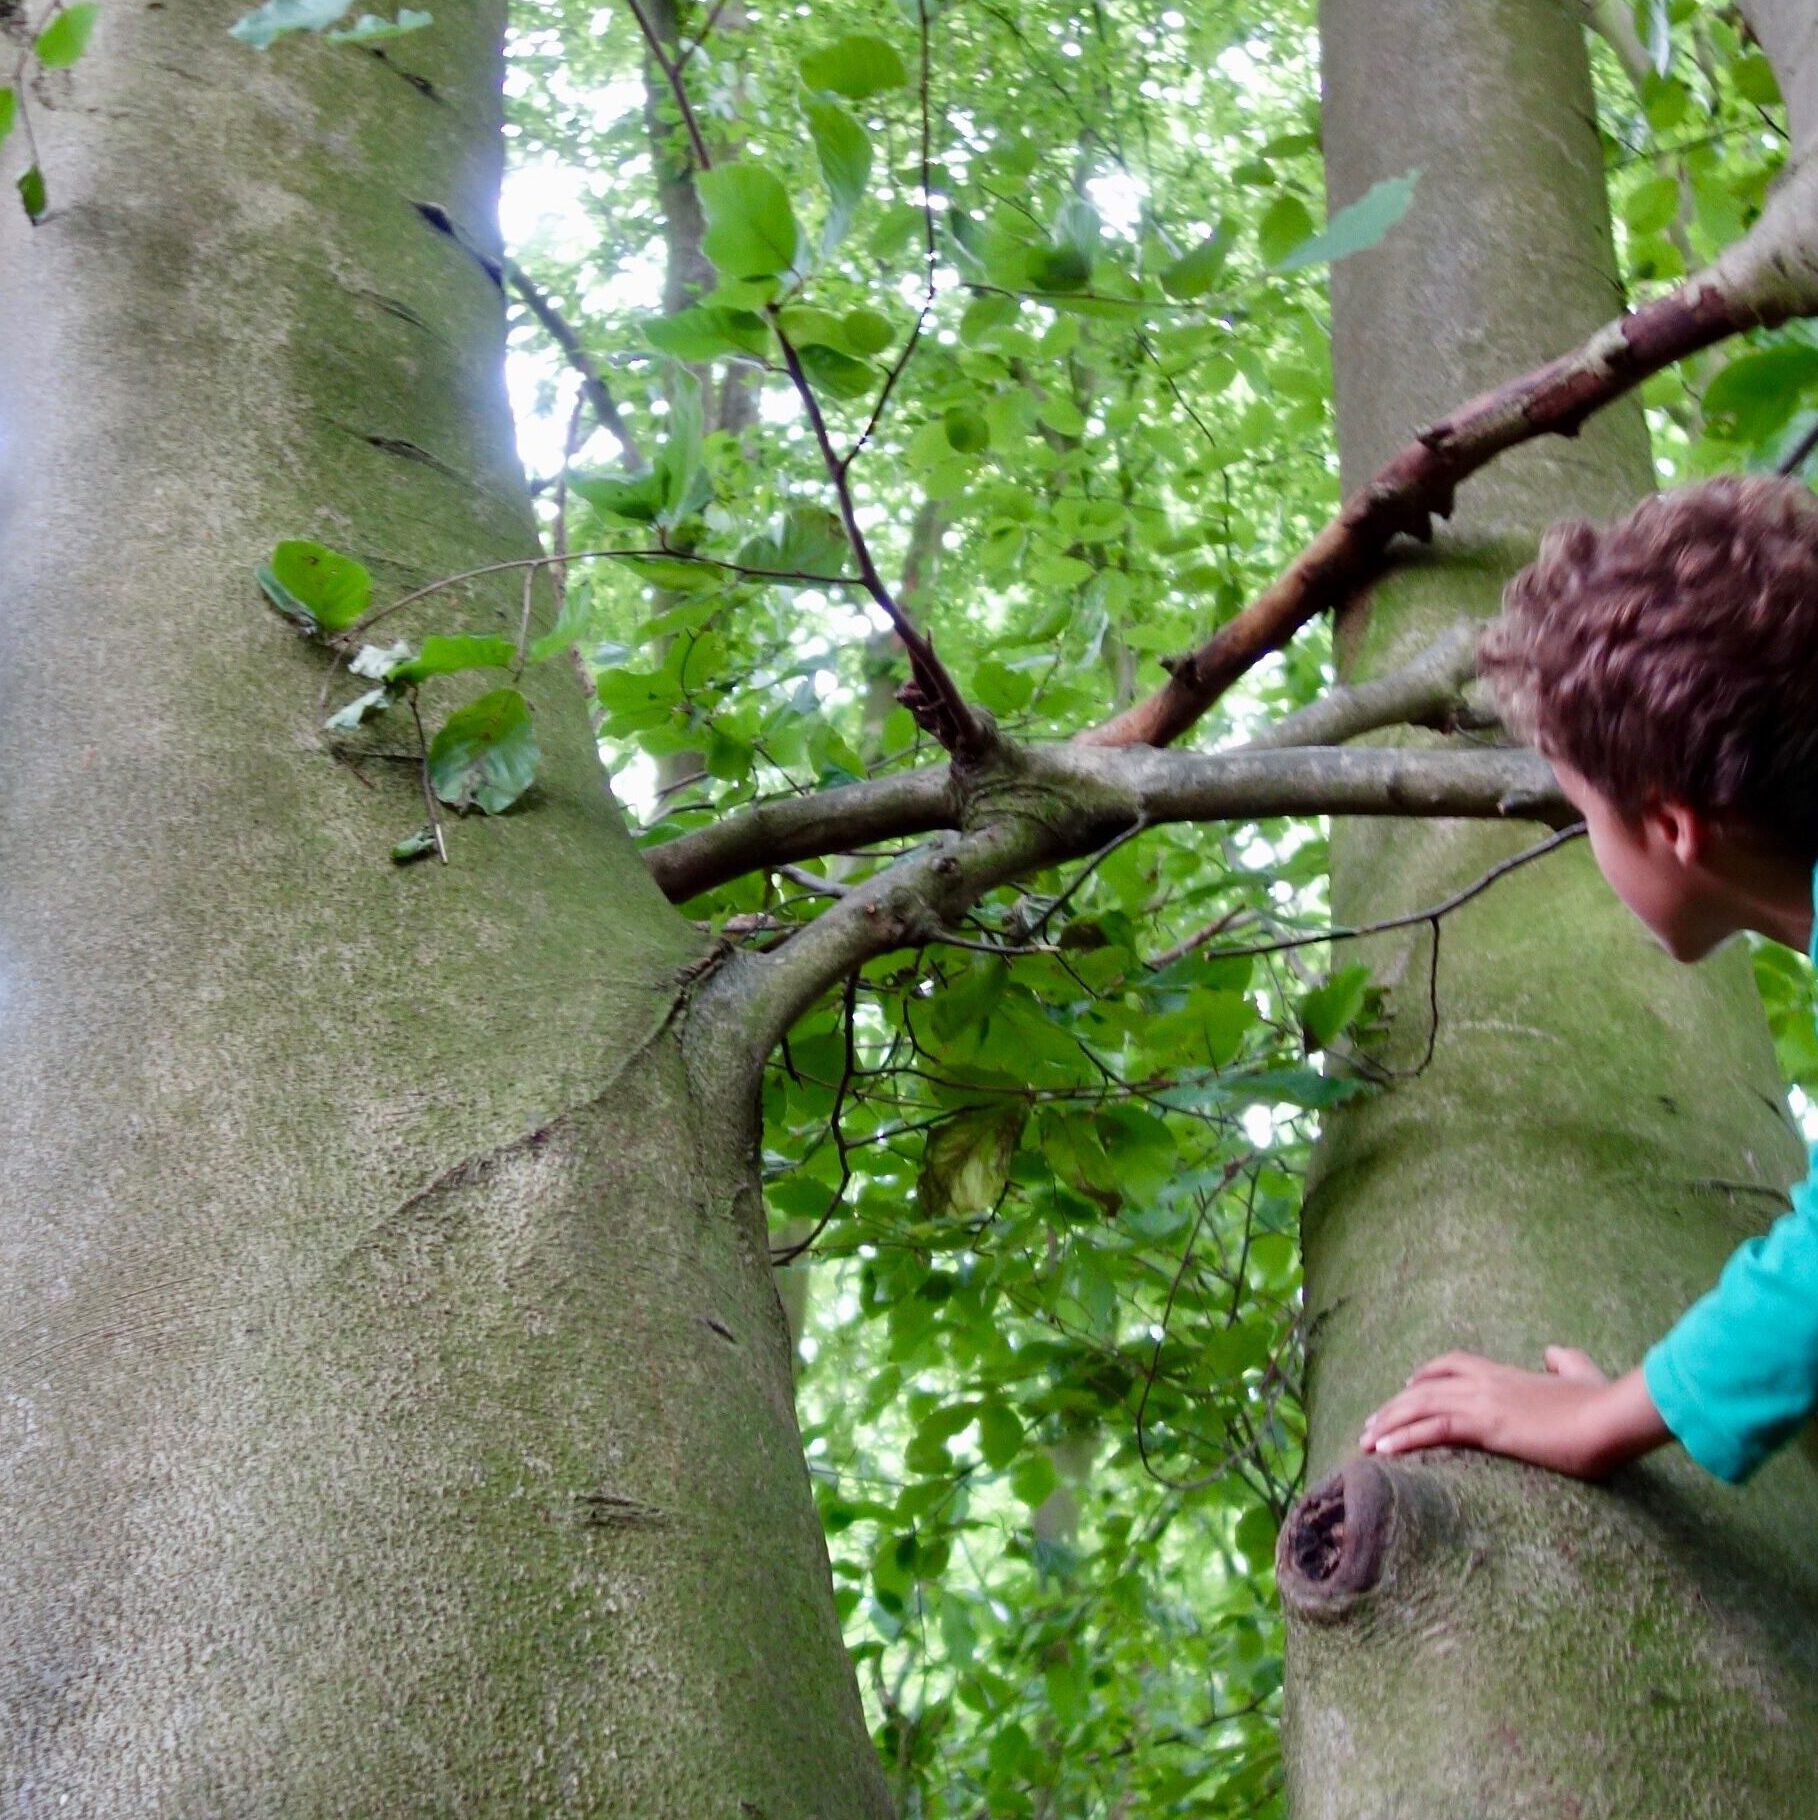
[1673,655]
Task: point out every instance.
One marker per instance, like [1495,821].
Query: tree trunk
[397,1412]
[1595,1130]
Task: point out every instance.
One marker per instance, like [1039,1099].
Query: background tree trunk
[397,1411]
[1596,1129]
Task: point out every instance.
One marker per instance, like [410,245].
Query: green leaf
[369,28]
[1652,206]
[967,1161]
[1332,1008]
[1755,81]
[675,573]
[1196,272]
[857,66]
[1034,1479]
[966,429]
[1756,393]
[9,110]
[751,228]
[485,756]
[316,586]
[448,656]
[844,149]
[1355,229]
[32,194]
[1285,224]
[263,26]
[868,331]
[63,41]
[809,326]
[808,540]
[831,371]
[639,499]
[682,484]
[1000,1435]
[705,333]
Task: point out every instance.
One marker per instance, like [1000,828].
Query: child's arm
[1736,1377]
[1739,1374]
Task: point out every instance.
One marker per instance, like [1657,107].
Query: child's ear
[1684,832]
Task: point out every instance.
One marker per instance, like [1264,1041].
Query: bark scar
[1330,1551]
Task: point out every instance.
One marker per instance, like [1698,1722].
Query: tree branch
[1036,805]
[931,694]
[593,386]
[803,827]
[1421,695]
[672,74]
[1083,796]
[1768,277]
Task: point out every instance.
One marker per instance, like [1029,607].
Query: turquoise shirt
[1739,1374]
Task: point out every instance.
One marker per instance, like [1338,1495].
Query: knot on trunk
[1330,1551]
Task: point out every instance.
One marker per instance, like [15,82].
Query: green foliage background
[1047,1184]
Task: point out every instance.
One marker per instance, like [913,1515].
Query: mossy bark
[1596,1129]
[396,1409]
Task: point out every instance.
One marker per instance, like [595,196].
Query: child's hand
[1570,1417]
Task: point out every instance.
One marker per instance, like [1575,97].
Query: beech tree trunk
[1597,1127]
[395,1410]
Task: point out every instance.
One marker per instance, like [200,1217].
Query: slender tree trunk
[392,1382]
[1596,1127]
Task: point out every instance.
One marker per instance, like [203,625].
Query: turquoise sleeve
[1738,1375]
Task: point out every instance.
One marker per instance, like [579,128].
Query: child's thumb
[1569,1362]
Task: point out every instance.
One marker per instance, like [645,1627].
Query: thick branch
[804,827]
[1084,796]
[1426,693]
[1043,804]
[1768,277]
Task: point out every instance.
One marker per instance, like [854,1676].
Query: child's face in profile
[1662,865]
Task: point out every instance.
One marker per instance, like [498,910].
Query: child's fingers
[1449,1365]
[1426,1402]
[1429,1431]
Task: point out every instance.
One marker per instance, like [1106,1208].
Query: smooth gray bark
[395,1409]
[1597,1127]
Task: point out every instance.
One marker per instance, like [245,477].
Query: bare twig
[801,577]
[429,789]
[1207,932]
[931,255]
[672,74]
[931,695]
[1801,454]
[593,385]
[848,1068]
[701,37]
[1431,914]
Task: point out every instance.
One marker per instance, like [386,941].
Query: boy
[1668,667]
